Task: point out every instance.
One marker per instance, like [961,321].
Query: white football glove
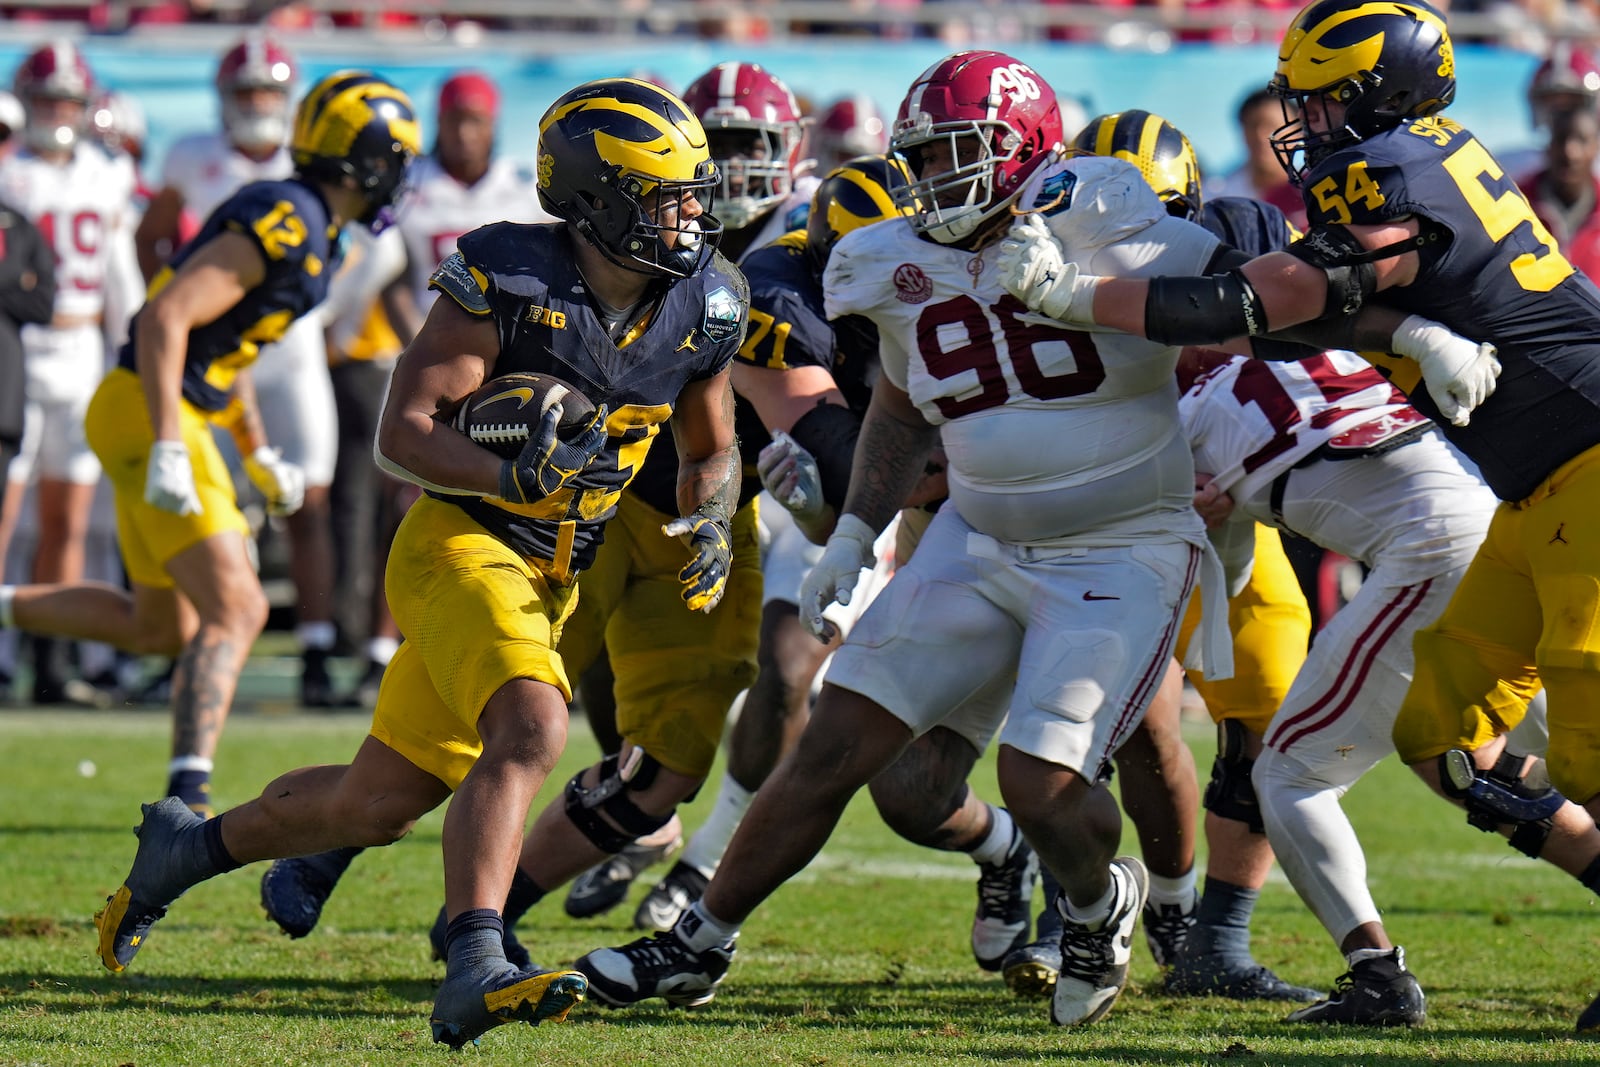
[281,482]
[1460,374]
[169,479]
[790,474]
[1033,268]
[834,577]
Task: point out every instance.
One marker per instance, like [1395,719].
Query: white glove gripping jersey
[439,209]
[1054,436]
[206,169]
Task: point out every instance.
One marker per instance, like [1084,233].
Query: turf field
[862,960]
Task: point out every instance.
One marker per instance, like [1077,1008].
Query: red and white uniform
[1068,549]
[1359,472]
[439,209]
[207,169]
[82,207]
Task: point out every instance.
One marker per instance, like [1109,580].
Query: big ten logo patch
[556,320]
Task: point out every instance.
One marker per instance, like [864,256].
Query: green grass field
[863,959]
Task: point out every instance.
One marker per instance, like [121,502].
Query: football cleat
[662,966]
[675,894]
[1206,976]
[1005,900]
[605,885]
[293,891]
[160,874]
[1166,929]
[516,953]
[470,1005]
[1375,992]
[1589,1021]
[1031,970]
[1095,955]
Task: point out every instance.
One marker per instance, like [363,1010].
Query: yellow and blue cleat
[470,1005]
[163,867]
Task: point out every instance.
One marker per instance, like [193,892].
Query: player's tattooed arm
[709,465]
[891,455]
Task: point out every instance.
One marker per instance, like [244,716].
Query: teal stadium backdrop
[1196,87]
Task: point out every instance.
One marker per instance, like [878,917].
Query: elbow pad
[829,432]
[1351,276]
[1204,310]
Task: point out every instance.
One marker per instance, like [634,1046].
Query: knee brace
[1230,793]
[1504,794]
[589,808]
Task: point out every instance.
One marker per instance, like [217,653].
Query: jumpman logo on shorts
[1558,536]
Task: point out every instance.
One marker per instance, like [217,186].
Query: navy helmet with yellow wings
[1158,148]
[856,193]
[353,124]
[614,156]
[1386,61]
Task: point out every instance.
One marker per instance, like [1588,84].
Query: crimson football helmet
[118,123]
[753,123]
[1568,77]
[254,64]
[850,127]
[53,72]
[999,121]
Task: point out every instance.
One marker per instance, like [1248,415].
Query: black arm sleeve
[829,432]
[1203,310]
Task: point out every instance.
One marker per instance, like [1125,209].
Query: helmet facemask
[637,224]
[252,118]
[753,159]
[951,205]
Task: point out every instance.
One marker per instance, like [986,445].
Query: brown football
[503,412]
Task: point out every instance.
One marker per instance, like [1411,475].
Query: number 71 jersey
[1082,425]
[1491,272]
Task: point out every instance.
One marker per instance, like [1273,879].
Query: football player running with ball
[482,572]
[1408,207]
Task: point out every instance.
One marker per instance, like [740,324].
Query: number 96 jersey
[1491,272]
[1050,432]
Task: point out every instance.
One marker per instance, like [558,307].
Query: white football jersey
[1050,432]
[206,169]
[438,210]
[81,207]
[1250,420]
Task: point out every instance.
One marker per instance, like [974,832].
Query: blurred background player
[849,127]
[253,82]
[1566,80]
[27,295]
[263,259]
[79,196]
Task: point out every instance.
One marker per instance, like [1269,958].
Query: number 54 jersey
[1050,432]
[1491,272]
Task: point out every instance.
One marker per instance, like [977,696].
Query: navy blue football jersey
[1252,226]
[523,278]
[290,225]
[1491,272]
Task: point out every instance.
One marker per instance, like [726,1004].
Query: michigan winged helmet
[354,124]
[1387,62]
[618,158]
[1158,148]
[857,193]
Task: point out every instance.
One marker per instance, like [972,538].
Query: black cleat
[1207,976]
[470,1005]
[675,894]
[661,966]
[1376,992]
[293,891]
[1589,1021]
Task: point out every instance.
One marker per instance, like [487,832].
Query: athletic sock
[525,893]
[706,847]
[996,844]
[472,940]
[1222,922]
[189,779]
[1179,890]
